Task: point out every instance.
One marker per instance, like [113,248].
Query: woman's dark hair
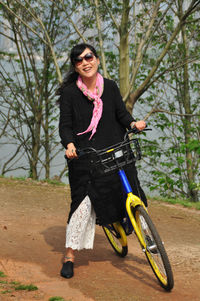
[72,75]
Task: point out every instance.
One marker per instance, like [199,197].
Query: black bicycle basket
[116,157]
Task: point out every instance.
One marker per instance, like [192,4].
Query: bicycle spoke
[117,238]
[154,249]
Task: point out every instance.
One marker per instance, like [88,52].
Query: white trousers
[81,228]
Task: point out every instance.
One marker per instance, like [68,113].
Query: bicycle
[138,221]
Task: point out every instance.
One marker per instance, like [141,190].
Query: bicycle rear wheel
[154,248]
[117,238]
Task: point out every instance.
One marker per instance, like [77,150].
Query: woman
[92,114]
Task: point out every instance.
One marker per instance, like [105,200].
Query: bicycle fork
[131,201]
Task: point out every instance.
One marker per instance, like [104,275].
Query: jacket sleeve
[124,117]
[66,119]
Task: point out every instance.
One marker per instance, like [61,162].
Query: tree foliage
[149,47]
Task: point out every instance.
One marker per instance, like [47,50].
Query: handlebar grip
[135,131]
[78,152]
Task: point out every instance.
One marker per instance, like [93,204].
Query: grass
[15,282]
[13,178]
[22,287]
[182,202]
[9,287]
[2,275]
[53,182]
[57,298]
[6,292]
[48,181]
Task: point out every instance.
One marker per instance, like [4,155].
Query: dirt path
[32,235]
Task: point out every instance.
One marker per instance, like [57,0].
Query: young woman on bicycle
[92,114]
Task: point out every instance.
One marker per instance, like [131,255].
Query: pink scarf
[95,97]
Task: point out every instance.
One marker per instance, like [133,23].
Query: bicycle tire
[154,248]
[117,238]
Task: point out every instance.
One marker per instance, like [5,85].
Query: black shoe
[67,270]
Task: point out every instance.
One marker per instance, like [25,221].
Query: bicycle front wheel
[117,238]
[154,248]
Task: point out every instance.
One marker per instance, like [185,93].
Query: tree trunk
[36,141]
[46,114]
[193,194]
[47,148]
[124,50]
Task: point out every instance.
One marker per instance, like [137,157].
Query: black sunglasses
[88,57]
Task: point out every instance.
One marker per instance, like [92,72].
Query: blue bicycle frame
[127,188]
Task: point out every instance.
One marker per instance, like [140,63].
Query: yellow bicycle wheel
[154,248]
[117,238]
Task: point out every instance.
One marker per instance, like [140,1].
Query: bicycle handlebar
[135,131]
[89,150]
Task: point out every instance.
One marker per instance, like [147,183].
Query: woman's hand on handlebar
[71,151]
[140,125]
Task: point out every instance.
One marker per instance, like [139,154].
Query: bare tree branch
[111,15]
[140,90]
[22,21]
[139,56]
[172,68]
[40,22]
[69,19]
[103,61]
[159,110]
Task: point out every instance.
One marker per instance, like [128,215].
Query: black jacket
[76,113]
[75,116]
